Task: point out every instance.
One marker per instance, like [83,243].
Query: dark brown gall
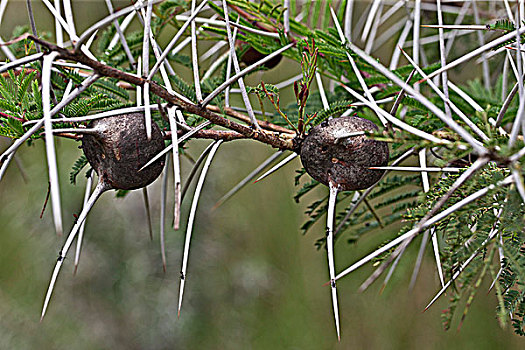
[251,55]
[345,161]
[119,148]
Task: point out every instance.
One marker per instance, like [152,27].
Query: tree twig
[105,70]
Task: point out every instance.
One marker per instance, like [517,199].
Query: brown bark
[267,137]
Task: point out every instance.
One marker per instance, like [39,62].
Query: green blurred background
[254,281]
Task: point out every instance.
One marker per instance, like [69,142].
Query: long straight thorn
[330,249]
[191,220]
[163,196]
[276,167]
[87,193]
[50,143]
[101,188]
[176,166]
[247,179]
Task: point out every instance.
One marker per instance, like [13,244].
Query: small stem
[32,21]
[373,213]
[277,107]
[148,211]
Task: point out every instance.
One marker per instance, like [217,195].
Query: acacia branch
[107,71]
[224,135]
[243,117]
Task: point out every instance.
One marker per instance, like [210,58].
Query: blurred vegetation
[256,282]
